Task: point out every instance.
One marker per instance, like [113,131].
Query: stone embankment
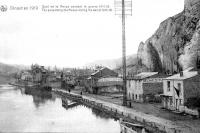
[151,123]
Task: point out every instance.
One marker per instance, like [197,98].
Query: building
[26,76]
[109,85]
[101,73]
[179,88]
[39,73]
[142,87]
[104,72]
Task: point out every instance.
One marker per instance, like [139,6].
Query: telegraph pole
[123,8]
[124,54]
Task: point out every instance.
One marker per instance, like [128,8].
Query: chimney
[181,73]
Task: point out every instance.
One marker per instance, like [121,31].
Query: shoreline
[157,122]
[153,121]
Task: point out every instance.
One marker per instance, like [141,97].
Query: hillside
[115,63]
[10,69]
[175,44]
[7,72]
[5,78]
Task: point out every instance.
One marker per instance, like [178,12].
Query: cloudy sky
[76,38]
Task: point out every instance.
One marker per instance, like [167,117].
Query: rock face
[176,42]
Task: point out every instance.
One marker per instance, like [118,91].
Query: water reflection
[5,88]
[39,97]
[100,114]
[22,110]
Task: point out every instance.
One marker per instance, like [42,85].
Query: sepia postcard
[100,66]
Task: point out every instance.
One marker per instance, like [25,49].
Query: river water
[25,110]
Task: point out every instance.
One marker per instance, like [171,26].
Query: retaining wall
[151,127]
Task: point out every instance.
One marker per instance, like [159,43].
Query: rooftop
[111,81]
[186,75]
[98,71]
[116,79]
[143,75]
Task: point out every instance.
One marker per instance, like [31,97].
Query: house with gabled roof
[110,85]
[102,79]
[104,72]
[143,85]
[177,89]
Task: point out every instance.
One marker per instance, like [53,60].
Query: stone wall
[109,89]
[152,88]
[191,88]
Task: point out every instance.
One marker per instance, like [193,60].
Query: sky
[73,39]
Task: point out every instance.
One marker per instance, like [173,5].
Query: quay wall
[116,113]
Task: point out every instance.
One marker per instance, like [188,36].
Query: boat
[69,104]
[127,127]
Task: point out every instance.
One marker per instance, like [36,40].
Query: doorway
[177,105]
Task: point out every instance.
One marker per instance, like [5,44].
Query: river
[22,110]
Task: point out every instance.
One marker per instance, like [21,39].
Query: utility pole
[124,54]
[123,8]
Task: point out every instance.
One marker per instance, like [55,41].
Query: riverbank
[154,109]
[157,122]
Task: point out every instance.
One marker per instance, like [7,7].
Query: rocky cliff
[176,42]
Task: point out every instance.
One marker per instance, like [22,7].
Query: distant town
[153,93]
